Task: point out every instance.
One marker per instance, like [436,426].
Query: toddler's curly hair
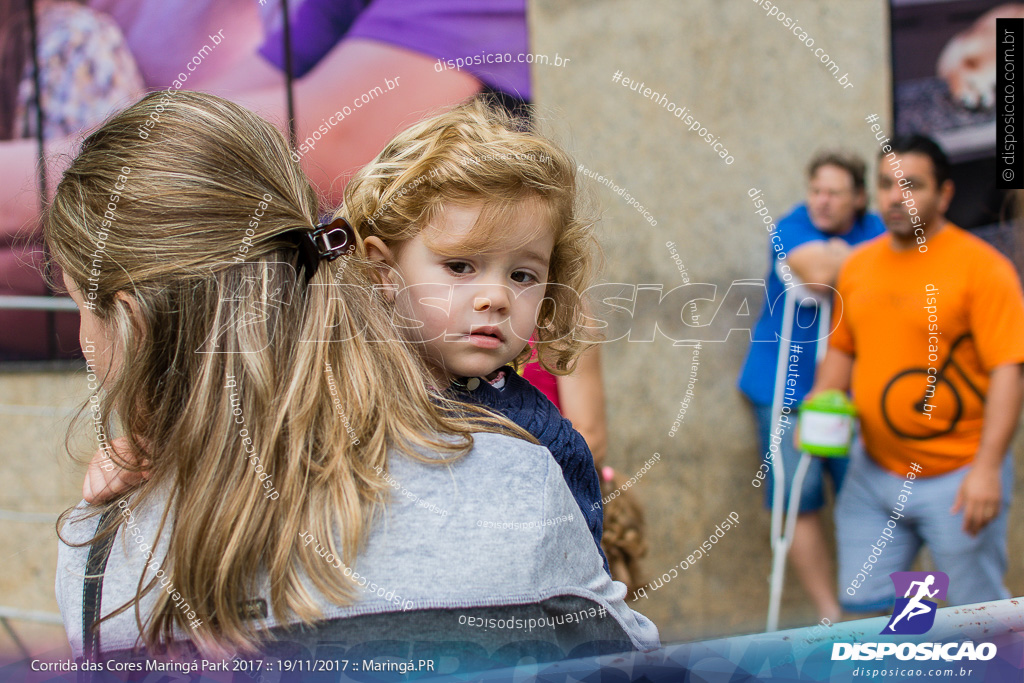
[478,152]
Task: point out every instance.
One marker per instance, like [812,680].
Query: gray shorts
[868,511]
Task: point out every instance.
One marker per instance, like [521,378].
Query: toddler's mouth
[488,331]
[486,337]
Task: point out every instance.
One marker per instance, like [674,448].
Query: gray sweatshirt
[495,535]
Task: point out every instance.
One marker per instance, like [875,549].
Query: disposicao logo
[914,614]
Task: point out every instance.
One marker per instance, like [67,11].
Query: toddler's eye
[458,267]
[522,277]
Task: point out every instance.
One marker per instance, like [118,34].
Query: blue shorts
[812,493]
[869,501]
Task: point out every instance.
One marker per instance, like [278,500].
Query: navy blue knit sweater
[524,404]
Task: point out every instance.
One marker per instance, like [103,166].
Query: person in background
[816,238]
[931,466]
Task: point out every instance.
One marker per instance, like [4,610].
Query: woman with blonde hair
[303,482]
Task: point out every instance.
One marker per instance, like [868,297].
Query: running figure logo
[914,613]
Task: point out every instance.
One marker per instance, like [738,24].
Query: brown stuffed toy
[625,539]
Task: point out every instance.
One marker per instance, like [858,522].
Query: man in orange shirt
[929,337]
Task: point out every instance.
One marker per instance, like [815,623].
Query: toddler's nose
[492,299]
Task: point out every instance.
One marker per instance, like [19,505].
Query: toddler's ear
[377,251]
[382,258]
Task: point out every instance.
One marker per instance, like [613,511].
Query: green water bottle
[826,424]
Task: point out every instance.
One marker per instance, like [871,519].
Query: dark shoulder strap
[93,590]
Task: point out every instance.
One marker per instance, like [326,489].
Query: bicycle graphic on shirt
[911,389]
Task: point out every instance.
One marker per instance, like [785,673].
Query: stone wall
[754,85]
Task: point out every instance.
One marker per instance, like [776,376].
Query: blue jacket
[524,404]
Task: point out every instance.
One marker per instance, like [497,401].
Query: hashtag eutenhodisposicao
[678,112]
[529,624]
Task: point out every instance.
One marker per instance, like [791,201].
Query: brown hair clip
[325,242]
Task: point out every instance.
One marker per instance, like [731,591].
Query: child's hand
[104,479]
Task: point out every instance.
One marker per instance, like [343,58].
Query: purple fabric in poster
[164,35]
[446,29]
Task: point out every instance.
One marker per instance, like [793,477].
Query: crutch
[782,530]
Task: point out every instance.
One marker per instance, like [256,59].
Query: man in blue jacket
[816,238]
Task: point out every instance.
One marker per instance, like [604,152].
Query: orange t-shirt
[901,315]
